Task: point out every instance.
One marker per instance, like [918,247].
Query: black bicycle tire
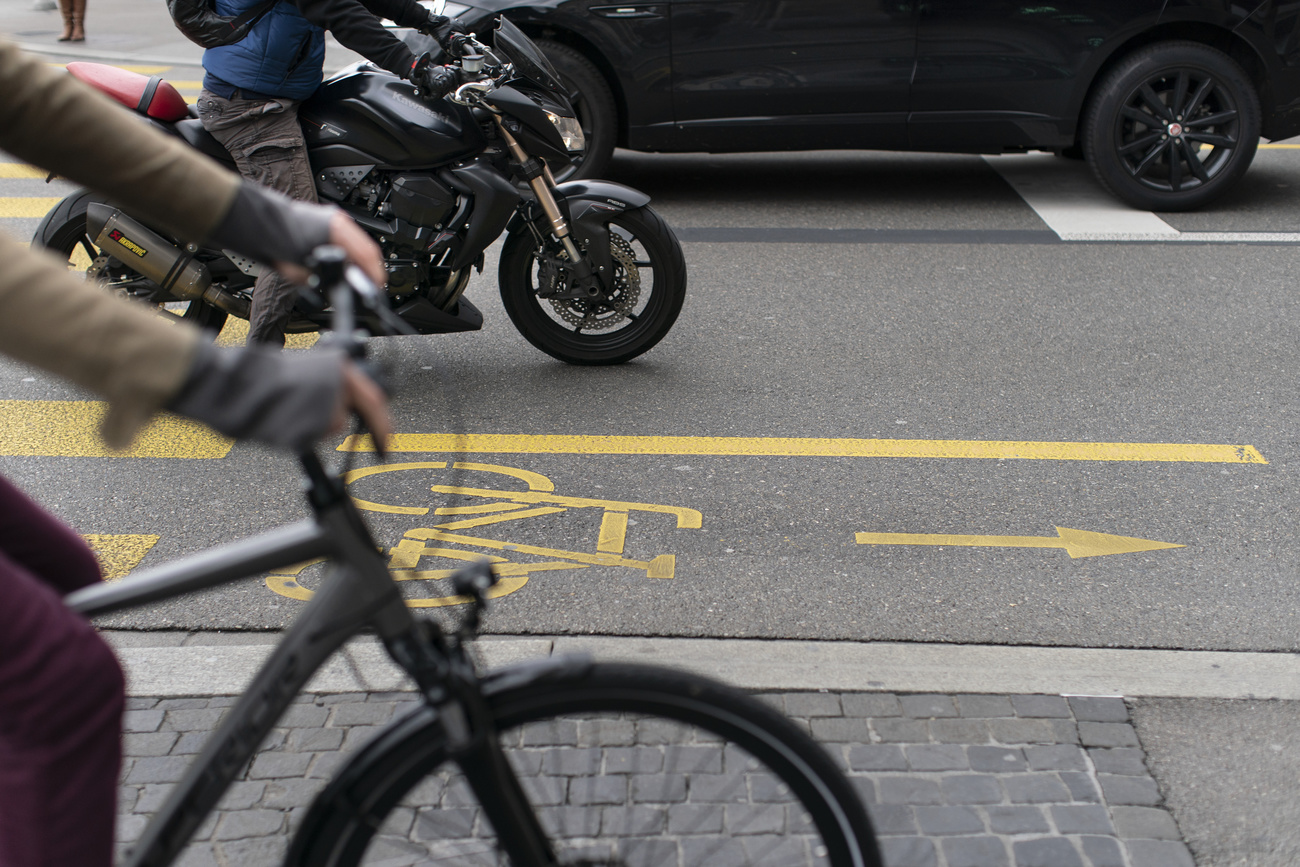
[341,823]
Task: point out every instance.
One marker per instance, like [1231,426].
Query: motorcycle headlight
[570,131]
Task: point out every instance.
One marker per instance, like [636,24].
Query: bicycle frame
[359,593]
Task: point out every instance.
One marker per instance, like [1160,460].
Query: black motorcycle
[588,272]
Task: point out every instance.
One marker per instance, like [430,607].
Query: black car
[1166,99]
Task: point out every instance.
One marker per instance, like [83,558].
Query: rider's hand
[434,81]
[441,28]
[362,396]
[360,247]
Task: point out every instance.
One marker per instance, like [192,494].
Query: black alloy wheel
[593,102]
[649,288]
[1173,127]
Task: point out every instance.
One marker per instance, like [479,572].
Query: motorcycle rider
[61,689]
[252,90]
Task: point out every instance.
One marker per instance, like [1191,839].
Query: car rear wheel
[1173,127]
[594,103]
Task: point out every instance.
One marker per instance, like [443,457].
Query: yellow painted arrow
[1077,543]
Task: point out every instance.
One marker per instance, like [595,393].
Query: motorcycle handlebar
[438,82]
[456,44]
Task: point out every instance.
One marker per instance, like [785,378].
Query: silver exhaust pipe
[153,256]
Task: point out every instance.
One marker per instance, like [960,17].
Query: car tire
[593,101]
[1173,127]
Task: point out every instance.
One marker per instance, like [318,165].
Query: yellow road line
[27,206]
[21,170]
[235,333]
[800,447]
[1289,147]
[70,428]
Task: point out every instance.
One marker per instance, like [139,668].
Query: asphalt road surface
[894,378]
[891,383]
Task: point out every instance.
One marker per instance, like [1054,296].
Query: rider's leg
[267,144]
[61,699]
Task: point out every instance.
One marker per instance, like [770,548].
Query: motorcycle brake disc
[606,313]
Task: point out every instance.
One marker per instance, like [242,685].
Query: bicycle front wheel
[624,765]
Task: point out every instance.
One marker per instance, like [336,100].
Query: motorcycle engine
[414,207]
[418,199]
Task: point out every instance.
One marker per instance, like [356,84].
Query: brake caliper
[599,314]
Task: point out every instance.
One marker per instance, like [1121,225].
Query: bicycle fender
[419,732]
[535,671]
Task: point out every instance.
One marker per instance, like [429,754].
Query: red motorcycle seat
[149,96]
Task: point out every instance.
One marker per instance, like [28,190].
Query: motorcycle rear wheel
[640,241]
[63,233]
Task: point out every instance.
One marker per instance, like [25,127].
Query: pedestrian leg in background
[65,6]
[61,699]
[267,144]
[78,21]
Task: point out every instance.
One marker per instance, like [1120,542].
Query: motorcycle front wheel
[649,287]
[63,233]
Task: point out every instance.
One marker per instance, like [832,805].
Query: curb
[112,56]
[169,669]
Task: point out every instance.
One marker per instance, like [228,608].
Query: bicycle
[571,761]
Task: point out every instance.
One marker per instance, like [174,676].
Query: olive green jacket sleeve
[53,319]
[51,120]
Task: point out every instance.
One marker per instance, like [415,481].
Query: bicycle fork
[446,677]
[498,790]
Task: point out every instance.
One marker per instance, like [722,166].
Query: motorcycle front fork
[542,183]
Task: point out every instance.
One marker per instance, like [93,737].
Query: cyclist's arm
[141,363]
[50,119]
[54,121]
[55,320]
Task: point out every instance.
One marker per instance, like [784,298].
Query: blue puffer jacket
[283,55]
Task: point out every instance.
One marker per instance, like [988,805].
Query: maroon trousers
[61,699]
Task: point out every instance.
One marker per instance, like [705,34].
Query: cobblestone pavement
[1026,780]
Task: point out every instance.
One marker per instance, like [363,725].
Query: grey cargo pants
[267,143]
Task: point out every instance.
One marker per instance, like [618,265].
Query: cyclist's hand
[362,396]
[360,247]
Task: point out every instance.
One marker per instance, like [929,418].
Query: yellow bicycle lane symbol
[499,507]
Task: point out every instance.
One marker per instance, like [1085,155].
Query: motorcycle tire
[63,233]
[584,332]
